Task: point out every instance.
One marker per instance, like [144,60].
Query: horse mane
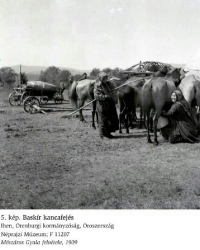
[111,84]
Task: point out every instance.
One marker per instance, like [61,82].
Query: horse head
[162,72]
[175,75]
[65,84]
[182,72]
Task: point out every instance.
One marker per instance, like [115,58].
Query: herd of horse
[152,93]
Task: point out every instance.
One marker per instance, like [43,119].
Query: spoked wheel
[44,100]
[14,99]
[58,98]
[25,95]
[30,104]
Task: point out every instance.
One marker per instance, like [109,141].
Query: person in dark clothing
[107,113]
[83,77]
[182,125]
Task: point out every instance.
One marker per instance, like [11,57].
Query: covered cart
[42,91]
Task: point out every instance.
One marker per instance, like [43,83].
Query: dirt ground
[47,162]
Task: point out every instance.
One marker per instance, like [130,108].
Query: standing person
[83,77]
[107,113]
[182,127]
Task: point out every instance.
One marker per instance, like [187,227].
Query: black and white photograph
[99,113]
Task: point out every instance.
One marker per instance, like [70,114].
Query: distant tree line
[7,77]
[55,75]
[52,75]
[116,72]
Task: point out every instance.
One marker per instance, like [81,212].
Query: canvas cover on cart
[38,85]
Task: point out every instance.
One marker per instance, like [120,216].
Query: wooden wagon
[146,68]
[43,91]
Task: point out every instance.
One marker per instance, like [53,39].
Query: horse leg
[123,117]
[81,103]
[126,120]
[121,114]
[122,120]
[81,116]
[145,121]
[132,116]
[151,120]
[120,123]
[147,125]
[155,122]
[141,115]
[129,119]
[97,118]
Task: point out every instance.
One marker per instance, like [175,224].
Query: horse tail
[73,94]
[147,103]
[147,98]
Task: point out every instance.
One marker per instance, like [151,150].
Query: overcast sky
[87,34]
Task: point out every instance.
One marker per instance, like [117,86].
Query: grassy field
[47,162]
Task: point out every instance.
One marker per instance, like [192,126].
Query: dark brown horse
[129,98]
[156,94]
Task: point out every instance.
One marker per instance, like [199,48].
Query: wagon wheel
[14,99]
[58,98]
[25,95]
[44,100]
[28,104]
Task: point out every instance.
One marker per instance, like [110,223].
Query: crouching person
[182,125]
[107,113]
